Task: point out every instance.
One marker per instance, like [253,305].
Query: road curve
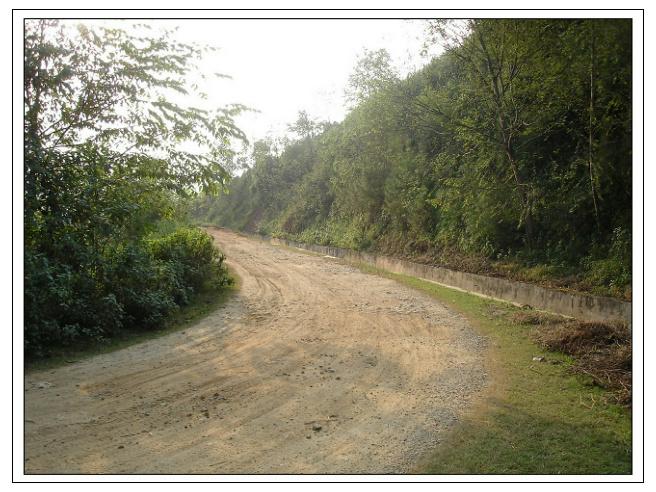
[313,367]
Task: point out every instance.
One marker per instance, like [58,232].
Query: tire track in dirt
[314,367]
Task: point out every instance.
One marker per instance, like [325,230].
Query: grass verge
[207,301]
[537,417]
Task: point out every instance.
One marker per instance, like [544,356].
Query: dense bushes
[611,266]
[191,254]
[132,286]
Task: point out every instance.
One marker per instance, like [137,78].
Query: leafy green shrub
[141,286]
[132,285]
[192,253]
[612,270]
[64,304]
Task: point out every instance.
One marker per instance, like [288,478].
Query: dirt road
[314,367]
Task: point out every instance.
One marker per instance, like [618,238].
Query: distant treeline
[510,153]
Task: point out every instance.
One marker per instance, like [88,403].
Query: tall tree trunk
[591,124]
[523,192]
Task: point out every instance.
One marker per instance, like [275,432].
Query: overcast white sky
[280,67]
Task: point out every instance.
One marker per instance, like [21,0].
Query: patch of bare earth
[314,367]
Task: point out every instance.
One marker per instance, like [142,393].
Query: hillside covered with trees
[509,154]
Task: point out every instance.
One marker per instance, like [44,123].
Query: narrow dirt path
[314,367]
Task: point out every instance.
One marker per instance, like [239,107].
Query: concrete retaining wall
[579,306]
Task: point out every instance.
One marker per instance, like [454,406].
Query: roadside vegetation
[107,179]
[509,154]
[551,409]
[208,299]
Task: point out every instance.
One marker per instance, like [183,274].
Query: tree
[372,73]
[108,155]
[304,126]
[115,91]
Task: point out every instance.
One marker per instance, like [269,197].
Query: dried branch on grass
[602,351]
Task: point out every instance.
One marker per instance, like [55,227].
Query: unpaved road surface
[314,367]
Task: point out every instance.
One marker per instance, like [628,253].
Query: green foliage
[133,285]
[612,268]
[373,73]
[106,89]
[107,167]
[514,146]
[192,253]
